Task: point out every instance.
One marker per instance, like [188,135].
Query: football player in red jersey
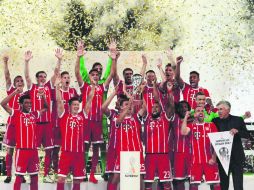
[24,120]
[202,154]
[9,137]
[44,123]
[189,90]
[73,126]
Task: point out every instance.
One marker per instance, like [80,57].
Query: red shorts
[117,164]
[45,135]
[27,161]
[93,132]
[159,163]
[111,159]
[182,162]
[210,172]
[57,136]
[72,161]
[10,136]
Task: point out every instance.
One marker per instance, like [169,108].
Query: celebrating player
[24,120]
[203,156]
[9,137]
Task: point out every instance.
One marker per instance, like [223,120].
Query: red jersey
[149,98]
[128,135]
[25,127]
[200,143]
[72,132]
[38,102]
[181,142]
[14,101]
[189,94]
[128,88]
[66,96]
[112,133]
[157,134]
[95,113]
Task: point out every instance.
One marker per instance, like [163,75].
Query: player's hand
[233,131]
[59,53]
[247,115]
[112,46]
[179,60]
[18,90]
[80,48]
[144,59]
[5,58]
[169,53]
[28,56]
[212,161]
[41,92]
[159,63]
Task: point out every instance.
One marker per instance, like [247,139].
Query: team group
[174,133]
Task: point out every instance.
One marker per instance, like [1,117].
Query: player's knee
[61,179]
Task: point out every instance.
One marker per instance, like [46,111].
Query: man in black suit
[237,127]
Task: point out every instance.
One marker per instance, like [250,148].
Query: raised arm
[114,55]
[28,57]
[59,56]
[59,99]
[143,69]
[143,111]
[184,129]
[5,101]
[90,98]
[156,91]
[80,53]
[170,56]
[106,103]
[7,72]
[170,105]
[178,71]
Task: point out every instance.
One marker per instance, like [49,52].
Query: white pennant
[222,144]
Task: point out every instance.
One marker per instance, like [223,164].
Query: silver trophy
[136,80]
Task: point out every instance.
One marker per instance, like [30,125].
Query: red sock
[55,158]
[112,186]
[47,162]
[193,187]
[17,183]
[216,187]
[76,185]
[34,182]
[180,185]
[8,160]
[167,186]
[59,186]
[95,157]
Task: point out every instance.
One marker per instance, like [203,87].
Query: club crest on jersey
[197,135]
[126,126]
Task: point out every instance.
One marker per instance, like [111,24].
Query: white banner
[130,170]
[222,144]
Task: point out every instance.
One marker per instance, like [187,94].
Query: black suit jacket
[229,123]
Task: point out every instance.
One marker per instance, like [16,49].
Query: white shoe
[48,179]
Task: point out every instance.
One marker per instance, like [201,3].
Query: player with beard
[203,160]
[180,146]
[72,126]
[94,131]
[44,123]
[9,136]
[189,90]
[24,121]
[66,93]
[157,131]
